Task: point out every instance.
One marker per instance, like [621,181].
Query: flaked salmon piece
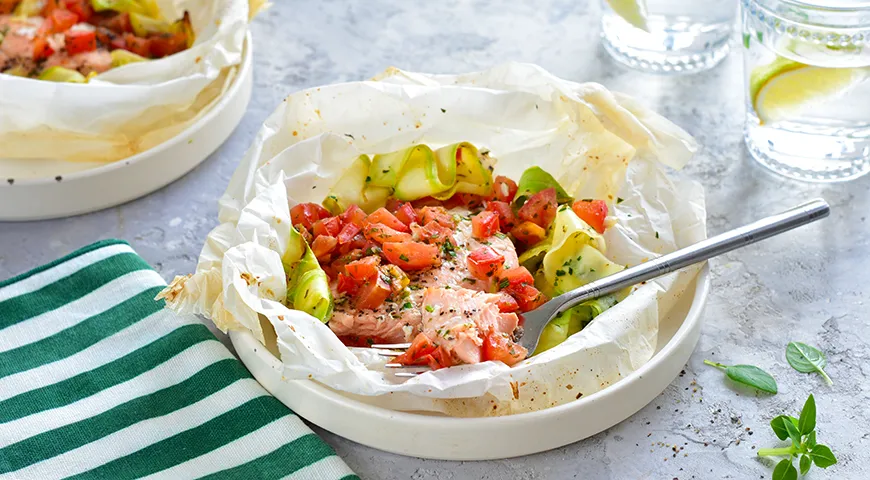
[392,322]
[97,61]
[459,320]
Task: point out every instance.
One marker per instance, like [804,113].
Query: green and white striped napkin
[97,380]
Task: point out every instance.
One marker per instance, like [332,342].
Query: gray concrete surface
[810,285]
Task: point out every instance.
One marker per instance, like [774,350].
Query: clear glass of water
[668,36]
[807,65]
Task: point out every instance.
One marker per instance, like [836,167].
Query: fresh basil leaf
[806,463]
[810,442]
[807,422]
[778,426]
[793,433]
[535,179]
[785,471]
[822,456]
[752,376]
[807,359]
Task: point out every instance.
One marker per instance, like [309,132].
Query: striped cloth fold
[97,380]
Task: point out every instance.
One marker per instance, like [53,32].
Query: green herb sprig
[807,359]
[801,432]
[748,375]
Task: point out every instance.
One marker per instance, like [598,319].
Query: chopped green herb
[414,287]
[560,273]
[370,341]
[407,305]
[448,249]
[385,171]
[404,258]
[430,308]
[500,235]
[619,200]
[657,234]
[469,280]
[588,200]
[443,111]
[368,179]
[503,284]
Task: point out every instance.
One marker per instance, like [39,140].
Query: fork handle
[733,239]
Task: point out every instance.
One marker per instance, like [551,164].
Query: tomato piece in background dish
[504,189]
[327,226]
[406,214]
[137,45]
[306,214]
[436,214]
[6,6]
[166,44]
[380,233]
[593,212]
[540,208]
[82,8]
[62,20]
[118,22]
[529,233]
[499,347]
[354,215]
[527,296]
[383,216]
[433,233]
[412,256]
[323,246]
[506,217]
[471,201]
[79,41]
[364,269]
[485,263]
[484,225]
[373,293]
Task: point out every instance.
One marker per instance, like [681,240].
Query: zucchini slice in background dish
[123,57]
[123,6]
[60,74]
[307,283]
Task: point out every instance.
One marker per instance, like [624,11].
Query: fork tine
[392,346]
[388,353]
[407,374]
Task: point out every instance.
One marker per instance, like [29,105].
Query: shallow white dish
[63,194]
[448,438]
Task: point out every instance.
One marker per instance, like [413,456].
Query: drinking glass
[807,69]
[668,36]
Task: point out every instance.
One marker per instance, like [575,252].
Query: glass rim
[833,6]
[824,17]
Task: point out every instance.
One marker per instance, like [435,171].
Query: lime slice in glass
[632,11]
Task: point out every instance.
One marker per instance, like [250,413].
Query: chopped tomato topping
[433,233]
[592,212]
[358,242]
[507,303]
[346,284]
[500,348]
[540,208]
[527,296]
[61,20]
[529,233]
[48,6]
[347,233]
[139,46]
[471,201]
[506,217]
[82,8]
[436,214]
[354,215]
[166,44]
[504,189]
[453,202]
[41,49]
[373,293]
[79,41]
[383,216]
[484,225]
[410,256]
[327,226]
[306,214]
[426,202]
[364,269]
[118,23]
[378,232]
[420,347]
[406,214]
[485,263]
[515,276]
[323,246]
[6,6]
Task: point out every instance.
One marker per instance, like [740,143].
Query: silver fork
[536,320]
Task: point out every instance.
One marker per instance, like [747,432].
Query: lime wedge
[784,87]
[632,11]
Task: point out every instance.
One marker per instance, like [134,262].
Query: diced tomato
[327,226]
[383,216]
[141,47]
[471,201]
[79,41]
[373,293]
[48,6]
[307,213]
[440,358]
[62,20]
[433,233]
[110,39]
[6,6]
[420,347]
[346,284]
[118,23]
[485,263]
[484,225]
[592,212]
[411,256]
[393,204]
[406,214]
[527,296]
[504,189]
[166,44]
[397,279]
[348,232]
[529,233]
[506,217]
[516,276]
[358,242]
[500,348]
[41,49]
[540,208]
[82,8]
[323,247]
[378,232]
[364,269]
[337,265]
[507,303]
[354,215]
[436,214]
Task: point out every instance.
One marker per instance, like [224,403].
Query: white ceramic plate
[114,183]
[448,438]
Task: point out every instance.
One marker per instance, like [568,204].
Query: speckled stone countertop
[809,285]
